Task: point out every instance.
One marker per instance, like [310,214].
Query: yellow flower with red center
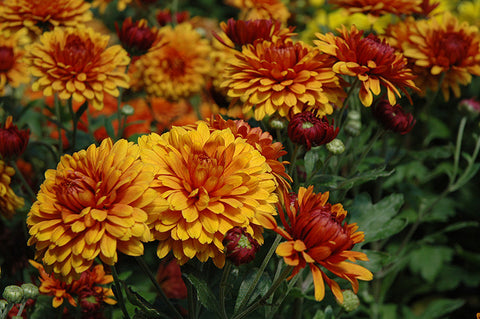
[44,15]
[76,63]
[178,65]
[94,204]
[370,60]
[261,9]
[12,71]
[317,235]
[213,181]
[9,201]
[444,52]
[282,77]
[378,8]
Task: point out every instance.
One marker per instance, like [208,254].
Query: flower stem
[223,285]
[458,147]
[58,114]
[29,190]
[74,123]
[118,292]
[159,289]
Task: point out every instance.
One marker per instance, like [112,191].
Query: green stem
[118,290]
[58,114]
[458,148]
[159,289]
[366,150]
[30,192]
[223,285]
[191,298]
[74,122]
[293,159]
[339,119]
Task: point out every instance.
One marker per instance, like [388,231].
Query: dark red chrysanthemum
[12,140]
[136,37]
[169,276]
[309,130]
[393,117]
[165,17]
[240,246]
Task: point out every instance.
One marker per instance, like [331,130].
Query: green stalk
[223,285]
[58,114]
[74,122]
[118,290]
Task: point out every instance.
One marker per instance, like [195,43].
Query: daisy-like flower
[317,235]
[213,181]
[12,71]
[443,52]
[44,15]
[378,8]
[95,204]
[282,76]
[178,66]
[136,37]
[370,60]
[261,9]
[92,280]
[77,63]
[9,201]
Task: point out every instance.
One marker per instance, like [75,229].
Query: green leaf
[81,110]
[428,260]
[376,260]
[204,293]
[440,307]
[436,129]
[364,177]
[311,159]
[145,307]
[262,287]
[377,220]
[466,176]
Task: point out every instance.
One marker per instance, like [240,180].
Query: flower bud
[307,129]
[136,37]
[336,147]
[3,305]
[30,291]
[353,123]
[277,123]
[240,246]
[13,294]
[469,107]
[393,117]
[127,109]
[350,300]
[12,140]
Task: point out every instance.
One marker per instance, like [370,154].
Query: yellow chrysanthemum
[261,9]
[469,11]
[77,63]
[282,77]
[43,15]
[179,64]
[95,204]
[102,4]
[212,181]
[9,201]
[12,71]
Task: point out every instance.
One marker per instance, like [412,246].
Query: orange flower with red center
[213,181]
[76,63]
[44,15]
[444,53]
[317,235]
[370,60]
[9,201]
[94,204]
[12,71]
[261,9]
[378,8]
[282,77]
[178,66]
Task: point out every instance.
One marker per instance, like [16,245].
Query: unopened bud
[277,123]
[3,305]
[469,107]
[30,291]
[240,246]
[336,147]
[13,294]
[128,110]
[350,300]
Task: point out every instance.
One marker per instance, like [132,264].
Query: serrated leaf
[204,293]
[428,260]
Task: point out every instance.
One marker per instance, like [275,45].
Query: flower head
[12,71]
[393,117]
[103,4]
[12,140]
[240,246]
[371,60]
[95,204]
[169,276]
[137,38]
[282,76]
[317,235]
[165,17]
[309,130]
[44,15]
[9,201]
[444,53]
[261,9]
[76,63]
[378,8]
[178,66]
[213,181]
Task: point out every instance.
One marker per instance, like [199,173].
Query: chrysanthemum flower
[393,117]
[317,235]
[90,280]
[136,37]
[9,201]
[444,53]
[282,77]
[309,130]
[12,140]
[77,63]
[165,16]
[12,71]
[177,67]
[372,61]
[95,204]
[44,15]
[261,9]
[102,4]
[213,182]
[169,276]
[378,8]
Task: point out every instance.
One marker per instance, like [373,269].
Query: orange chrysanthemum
[378,8]
[443,52]
[94,204]
[261,141]
[261,9]
[317,235]
[90,280]
[102,4]
[282,77]
[213,181]
[179,64]
[44,15]
[9,201]
[372,61]
[12,71]
[77,63]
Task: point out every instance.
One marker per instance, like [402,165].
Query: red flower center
[451,48]
[77,54]
[372,49]
[6,58]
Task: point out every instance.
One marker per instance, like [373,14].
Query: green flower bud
[13,294]
[30,291]
[353,127]
[353,115]
[350,300]
[127,110]
[336,147]
[3,305]
[277,123]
